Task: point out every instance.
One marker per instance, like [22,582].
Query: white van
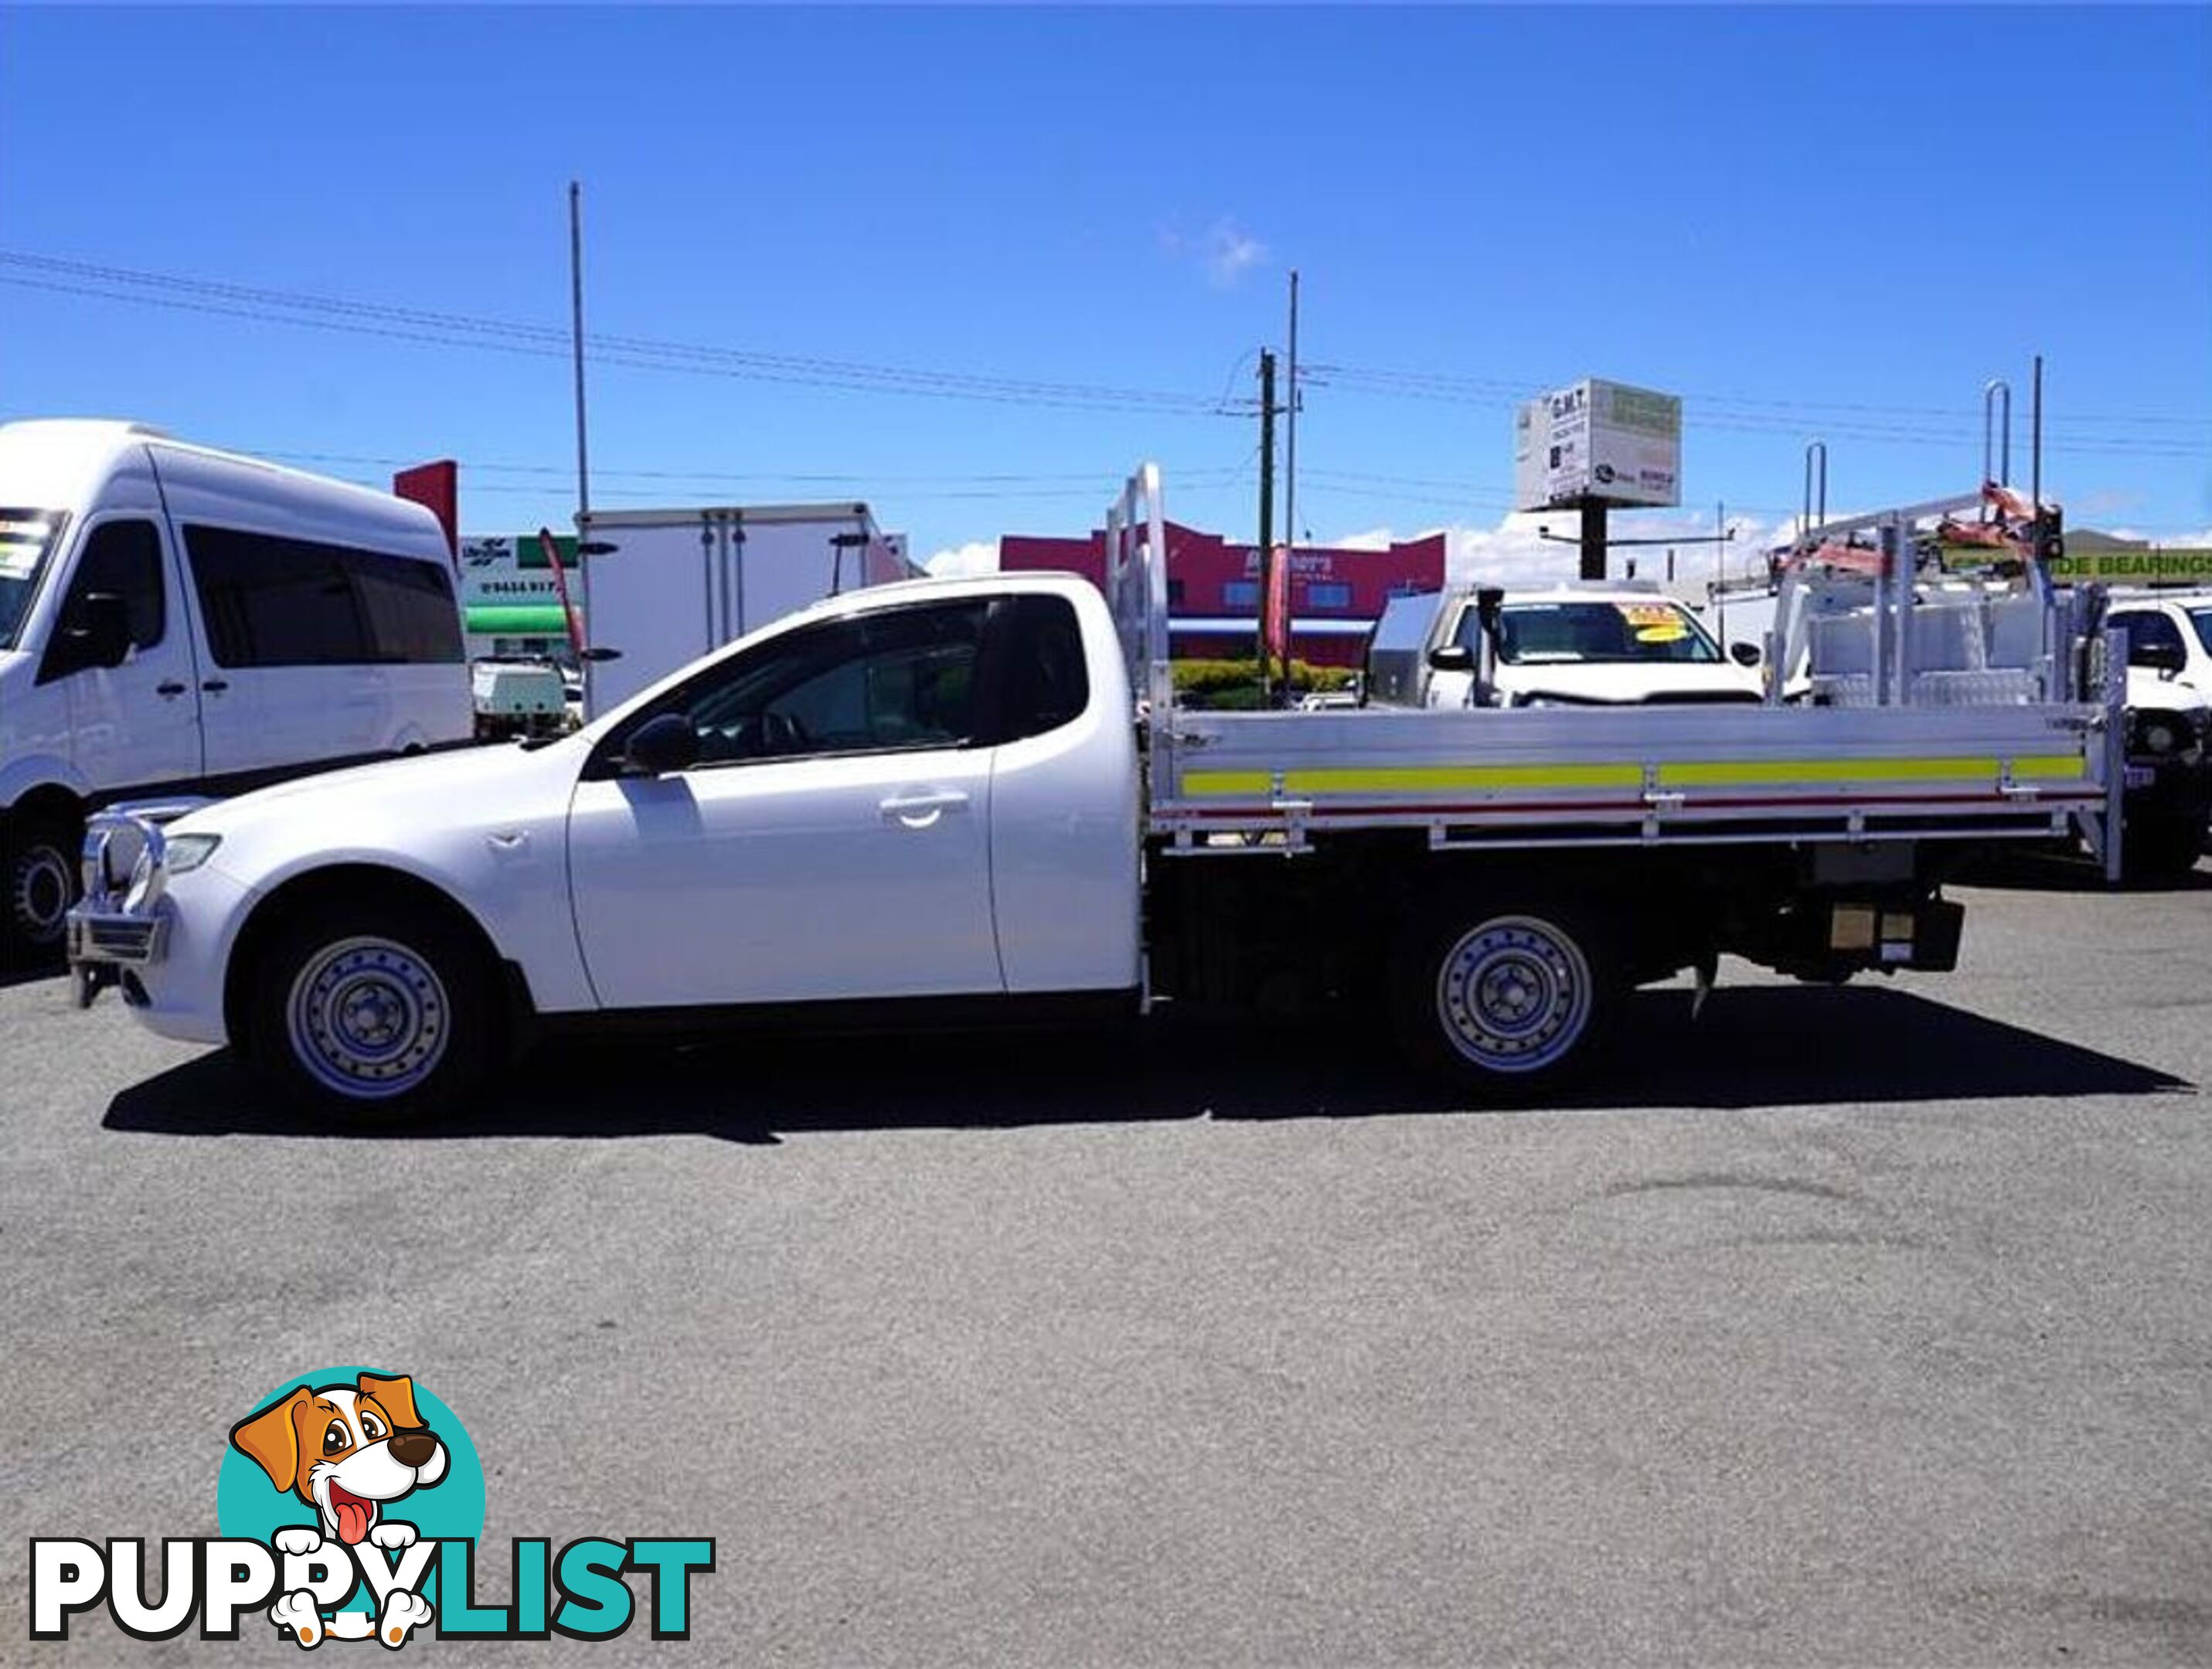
[179,621]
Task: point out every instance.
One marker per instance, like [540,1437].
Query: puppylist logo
[351,1503]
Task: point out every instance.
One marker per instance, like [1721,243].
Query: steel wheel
[1505,1002]
[368,1018]
[1514,995]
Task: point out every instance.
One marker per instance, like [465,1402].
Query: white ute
[946,799]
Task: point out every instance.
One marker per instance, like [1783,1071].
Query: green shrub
[1216,678]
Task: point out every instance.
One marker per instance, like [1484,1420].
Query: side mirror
[102,630]
[1745,654]
[661,745]
[600,656]
[1451,658]
[2166,658]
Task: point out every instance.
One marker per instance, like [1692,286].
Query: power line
[455,329]
[1525,389]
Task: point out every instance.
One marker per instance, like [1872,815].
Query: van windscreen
[27,538]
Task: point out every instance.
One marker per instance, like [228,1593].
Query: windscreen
[27,538]
[1595,633]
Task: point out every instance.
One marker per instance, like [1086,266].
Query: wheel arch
[355,882]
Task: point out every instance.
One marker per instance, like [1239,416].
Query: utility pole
[583,467]
[1291,434]
[1266,513]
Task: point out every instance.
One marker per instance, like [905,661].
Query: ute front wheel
[378,1014]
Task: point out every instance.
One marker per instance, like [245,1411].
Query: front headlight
[187,852]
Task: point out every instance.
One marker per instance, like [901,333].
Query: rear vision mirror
[661,745]
[102,630]
[2158,657]
[1452,657]
[1745,654]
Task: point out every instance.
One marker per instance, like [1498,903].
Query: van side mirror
[1745,654]
[101,631]
[661,745]
[1451,658]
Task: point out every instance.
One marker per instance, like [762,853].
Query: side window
[123,559]
[1046,682]
[408,607]
[271,601]
[2148,630]
[878,683]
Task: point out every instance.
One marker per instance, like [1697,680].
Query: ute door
[134,724]
[831,840]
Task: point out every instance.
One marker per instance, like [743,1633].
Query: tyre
[39,882]
[1508,1001]
[2158,851]
[376,1013]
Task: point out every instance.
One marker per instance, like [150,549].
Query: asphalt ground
[1869,1326]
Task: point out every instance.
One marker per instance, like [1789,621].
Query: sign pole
[1594,520]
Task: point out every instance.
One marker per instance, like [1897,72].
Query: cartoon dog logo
[346,1450]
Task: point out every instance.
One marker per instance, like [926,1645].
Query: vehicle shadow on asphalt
[1754,1047]
[2047,873]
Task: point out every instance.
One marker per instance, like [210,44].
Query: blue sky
[1830,222]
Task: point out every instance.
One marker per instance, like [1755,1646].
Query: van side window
[271,601]
[1047,684]
[122,558]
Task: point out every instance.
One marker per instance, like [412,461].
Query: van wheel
[1511,1003]
[38,873]
[380,1014]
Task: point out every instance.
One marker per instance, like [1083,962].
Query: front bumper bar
[120,925]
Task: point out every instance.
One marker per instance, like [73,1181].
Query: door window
[122,558]
[1046,682]
[879,682]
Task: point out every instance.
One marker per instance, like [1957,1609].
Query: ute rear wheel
[1510,1002]
[37,885]
[379,1013]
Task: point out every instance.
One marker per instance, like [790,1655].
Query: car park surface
[1870,1326]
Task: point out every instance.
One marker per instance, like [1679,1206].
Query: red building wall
[1213,589]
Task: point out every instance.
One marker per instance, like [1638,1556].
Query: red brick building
[1213,589]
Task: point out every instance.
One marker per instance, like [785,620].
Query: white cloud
[1225,252]
[978,556]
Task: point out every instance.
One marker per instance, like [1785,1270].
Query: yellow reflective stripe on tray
[1414,779]
[1701,774]
[1710,773]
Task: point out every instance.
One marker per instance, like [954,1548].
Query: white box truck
[663,587]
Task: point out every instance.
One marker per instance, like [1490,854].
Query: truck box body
[663,587]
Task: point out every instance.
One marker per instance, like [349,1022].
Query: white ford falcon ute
[922,791]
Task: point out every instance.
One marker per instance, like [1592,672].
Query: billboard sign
[1598,440]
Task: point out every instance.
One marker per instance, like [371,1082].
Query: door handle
[170,687]
[215,686]
[921,810]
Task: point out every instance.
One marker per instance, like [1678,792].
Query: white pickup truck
[975,798]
